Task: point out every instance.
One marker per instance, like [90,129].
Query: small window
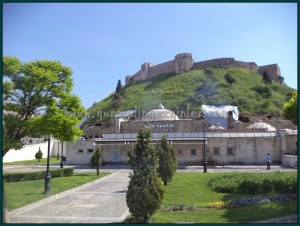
[193,151]
[90,150]
[80,151]
[180,152]
[230,151]
[216,151]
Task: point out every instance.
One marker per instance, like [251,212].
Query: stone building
[190,138]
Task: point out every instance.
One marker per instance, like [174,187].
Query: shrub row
[255,183]
[15,177]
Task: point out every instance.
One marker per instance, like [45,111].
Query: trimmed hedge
[255,183]
[37,175]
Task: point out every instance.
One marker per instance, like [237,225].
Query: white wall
[290,160]
[28,152]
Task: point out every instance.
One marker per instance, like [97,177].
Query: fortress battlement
[184,62]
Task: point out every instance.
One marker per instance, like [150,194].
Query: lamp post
[48,175]
[61,158]
[204,152]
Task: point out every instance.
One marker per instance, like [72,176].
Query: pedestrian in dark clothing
[268,161]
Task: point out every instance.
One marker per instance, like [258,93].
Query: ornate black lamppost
[204,152]
[48,175]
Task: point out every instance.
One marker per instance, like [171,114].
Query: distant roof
[217,115]
[220,111]
[160,114]
[261,125]
[124,114]
[160,106]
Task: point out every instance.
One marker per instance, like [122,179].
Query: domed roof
[262,125]
[160,114]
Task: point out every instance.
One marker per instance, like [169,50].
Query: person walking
[268,161]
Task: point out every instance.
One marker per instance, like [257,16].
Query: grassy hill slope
[195,88]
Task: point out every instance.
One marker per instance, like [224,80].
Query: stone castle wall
[184,62]
[273,70]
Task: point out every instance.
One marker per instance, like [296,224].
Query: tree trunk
[5,212]
[4,151]
[165,182]
[4,207]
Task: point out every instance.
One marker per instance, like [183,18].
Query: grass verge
[191,188]
[53,160]
[22,193]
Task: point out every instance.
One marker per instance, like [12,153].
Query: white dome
[160,114]
[261,125]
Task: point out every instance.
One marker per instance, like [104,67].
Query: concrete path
[104,200]
[100,201]
[288,219]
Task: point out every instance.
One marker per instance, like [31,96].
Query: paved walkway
[104,200]
[288,219]
[100,201]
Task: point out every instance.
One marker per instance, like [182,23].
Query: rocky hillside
[197,87]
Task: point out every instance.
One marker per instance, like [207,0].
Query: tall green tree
[280,79]
[119,87]
[167,161]
[37,101]
[229,79]
[290,108]
[145,190]
[96,159]
[266,78]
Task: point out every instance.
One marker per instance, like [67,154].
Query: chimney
[230,122]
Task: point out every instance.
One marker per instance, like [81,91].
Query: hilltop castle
[184,62]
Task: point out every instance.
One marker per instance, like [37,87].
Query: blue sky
[104,42]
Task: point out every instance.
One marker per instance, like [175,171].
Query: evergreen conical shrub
[167,161]
[145,190]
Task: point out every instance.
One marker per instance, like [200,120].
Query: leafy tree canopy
[38,101]
[281,79]
[290,108]
[229,79]
[266,78]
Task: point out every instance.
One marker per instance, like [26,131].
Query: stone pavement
[288,219]
[104,200]
[100,201]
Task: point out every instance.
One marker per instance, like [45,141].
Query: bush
[39,154]
[38,175]
[255,183]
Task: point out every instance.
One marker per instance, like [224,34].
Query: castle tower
[128,79]
[183,62]
[146,66]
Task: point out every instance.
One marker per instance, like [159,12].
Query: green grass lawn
[190,188]
[19,194]
[53,160]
